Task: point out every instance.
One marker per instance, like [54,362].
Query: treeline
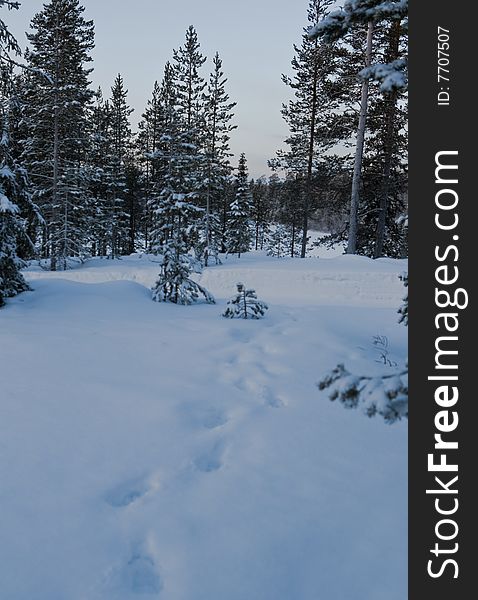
[76,181]
[348,122]
[100,188]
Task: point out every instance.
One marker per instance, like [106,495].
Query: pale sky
[253,37]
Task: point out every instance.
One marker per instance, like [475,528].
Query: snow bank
[156,451]
[342,280]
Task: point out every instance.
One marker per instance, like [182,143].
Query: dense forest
[76,181]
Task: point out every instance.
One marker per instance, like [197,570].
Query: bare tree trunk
[354,199]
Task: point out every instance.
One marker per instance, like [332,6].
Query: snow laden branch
[356,12]
[392,76]
[385,395]
[8,42]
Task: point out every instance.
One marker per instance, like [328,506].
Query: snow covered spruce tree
[238,233]
[175,213]
[245,305]
[218,127]
[383,26]
[385,395]
[189,96]
[120,139]
[312,116]
[14,196]
[101,175]
[148,144]
[160,123]
[57,99]
[260,212]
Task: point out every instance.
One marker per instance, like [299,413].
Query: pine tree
[312,115]
[385,395]
[101,176]
[218,127]
[119,132]
[391,74]
[148,145]
[245,305]
[278,241]
[174,210]
[13,195]
[15,200]
[288,213]
[190,86]
[238,234]
[260,211]
[190,98]
[56,123]
[160,158]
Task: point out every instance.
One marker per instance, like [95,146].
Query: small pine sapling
[174,284]
[245,305]
[385,395]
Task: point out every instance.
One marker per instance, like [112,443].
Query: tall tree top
[188,61]
[62,27]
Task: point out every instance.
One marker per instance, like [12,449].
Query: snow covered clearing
[161,451]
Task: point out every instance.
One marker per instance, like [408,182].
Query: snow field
[158,451]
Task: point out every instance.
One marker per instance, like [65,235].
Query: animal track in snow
[213,418]
[141,575]
[272,399]
[131,491]
[212,459]
[210,417]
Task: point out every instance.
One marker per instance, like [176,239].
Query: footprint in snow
[272,399]
[131,491]
[212,460]
[213,418]
[138,574]
[141,575]
[209,417]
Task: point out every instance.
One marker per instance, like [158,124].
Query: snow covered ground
[158,451]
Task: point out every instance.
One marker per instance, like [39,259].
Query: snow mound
[161,451]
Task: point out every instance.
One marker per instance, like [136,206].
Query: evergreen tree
[218,127]
[238,235]
[312,116]
[190,86]
[175,212]
[148,146]
[56,125]
[160,158]
[386,24]
[260,211]
[245,305]
[278,241]
[15,200]
[385,395]
[101,176]
[288,212]
[119,132]
[13,195]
